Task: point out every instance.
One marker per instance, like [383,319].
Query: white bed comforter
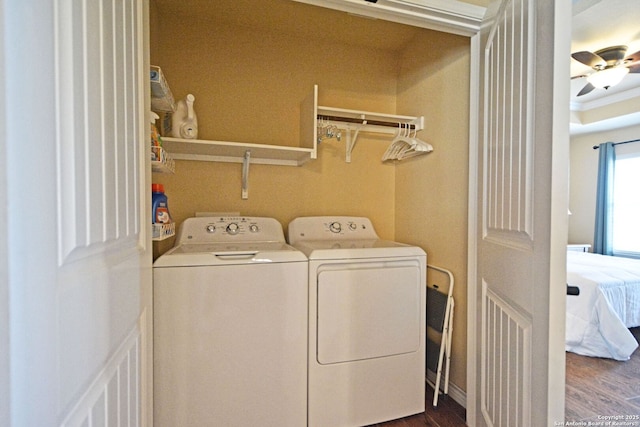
[609,303]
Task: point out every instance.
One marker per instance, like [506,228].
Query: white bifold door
[516,323]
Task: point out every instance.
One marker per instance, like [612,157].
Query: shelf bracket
[245,174]
[351,141]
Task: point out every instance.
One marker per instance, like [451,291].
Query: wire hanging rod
[368,122]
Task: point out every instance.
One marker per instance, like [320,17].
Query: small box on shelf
[161,161]
[163,231]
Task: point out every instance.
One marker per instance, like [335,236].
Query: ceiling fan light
[608,78]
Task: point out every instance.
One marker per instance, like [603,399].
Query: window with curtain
[617,227]
[626,201]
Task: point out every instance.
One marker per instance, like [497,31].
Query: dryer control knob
[335,227]
[254,228]
[353,226]
[233,228]
[211,228]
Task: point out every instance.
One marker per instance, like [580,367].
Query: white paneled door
[521,200]
[78,260]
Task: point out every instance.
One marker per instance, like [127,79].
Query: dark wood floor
[595,388]
[598,387]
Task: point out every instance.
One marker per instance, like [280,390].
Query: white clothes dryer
[366,322]
[230,326]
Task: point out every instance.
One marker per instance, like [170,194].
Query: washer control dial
[335,227]
[211,228]
[254,228]
[233,228]
[353,226]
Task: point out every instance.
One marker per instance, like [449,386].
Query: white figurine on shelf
[185,121]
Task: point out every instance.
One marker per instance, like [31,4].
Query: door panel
[522,162]
[99,141]
[79,259]
[368,312]
[97,128]
[506,362]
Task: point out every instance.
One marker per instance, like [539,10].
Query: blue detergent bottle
[160,212]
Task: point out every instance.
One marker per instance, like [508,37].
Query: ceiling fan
[609,65]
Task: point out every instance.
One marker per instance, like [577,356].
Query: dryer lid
[356,249]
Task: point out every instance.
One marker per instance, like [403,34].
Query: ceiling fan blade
[613,54]
[585,90]
[589,58]
[633,62]
[634,57]
[634,68]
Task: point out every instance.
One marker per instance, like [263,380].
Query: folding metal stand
[440,307]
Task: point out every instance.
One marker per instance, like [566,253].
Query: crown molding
[606,100]
[449,16]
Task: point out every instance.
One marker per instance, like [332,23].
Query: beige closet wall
[248,85]
[432,192]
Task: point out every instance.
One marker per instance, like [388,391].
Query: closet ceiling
[596,24]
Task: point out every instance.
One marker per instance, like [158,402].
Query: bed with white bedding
[608,304]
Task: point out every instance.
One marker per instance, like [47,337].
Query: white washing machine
[230,326]
[366,322]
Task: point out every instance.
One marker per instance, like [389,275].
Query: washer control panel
[229,229]
[331,228]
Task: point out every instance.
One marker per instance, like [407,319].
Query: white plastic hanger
[406,144]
